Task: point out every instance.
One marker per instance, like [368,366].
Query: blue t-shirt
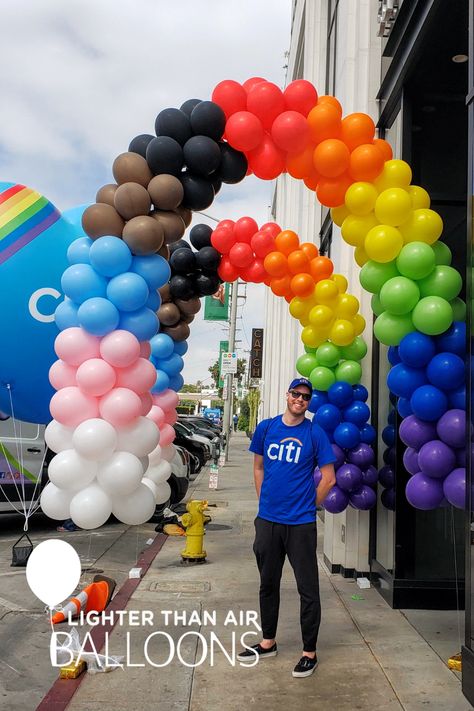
[290,455]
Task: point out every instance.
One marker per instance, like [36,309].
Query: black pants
[273,542]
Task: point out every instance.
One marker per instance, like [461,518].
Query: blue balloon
[347,435]
[78,251]
[143,323]
[453,340]
[360,392]
[110,256]
[162,346]
[66,315]
[416,349]
[172,365]
[328,417]
[457,398]
[162,382]
[392,355]
[446,371]
[340,394]
[318,398]
[404,407]
[367,434]
[98,316]
[154,300]
[388,435]
[81,282]
[428,403]
[181,347]
[153,268]
[176,382]
[403,380]
[128,291]
[357,412]
[391,419]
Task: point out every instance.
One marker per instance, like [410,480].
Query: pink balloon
[120,348]
[120,406]
[157,415]
[139,377]
[70,406]
[166,400]
[167,435]
[145,348]
[147,403]
[62,375]
[171,416]
[74,346]
[96,377]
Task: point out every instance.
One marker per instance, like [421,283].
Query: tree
[190,388]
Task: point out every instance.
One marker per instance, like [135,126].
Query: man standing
[287,449]
[235,421]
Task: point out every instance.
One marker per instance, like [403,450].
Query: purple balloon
[436,459]
[336,500]
[317,476]
[423,492]
[454,487]
[339,454]
[362,455]
[410,460]
[364,498]
[415,432]
[388,498]
[370,476]
[349,477]
[451,428]
[387,477]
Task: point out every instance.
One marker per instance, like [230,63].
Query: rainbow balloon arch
[133,286]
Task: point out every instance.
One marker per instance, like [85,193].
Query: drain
[181,586]
[217,504]
[218,527]
[92,570]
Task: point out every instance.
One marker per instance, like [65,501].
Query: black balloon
[181,287]
[216,181]
[198,192]
[173,123]
[202,155]
[180,244]
[189,105]
[233,166]
[208,259]
[208,119]
[200,236]
[206,285]
[183,261]
[140,143]
[165,155]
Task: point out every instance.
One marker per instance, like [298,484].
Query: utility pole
[229,378]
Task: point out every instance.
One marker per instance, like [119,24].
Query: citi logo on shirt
[286,450]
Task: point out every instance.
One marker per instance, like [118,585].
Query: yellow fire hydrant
[193,522]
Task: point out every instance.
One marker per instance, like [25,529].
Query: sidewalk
[370,655]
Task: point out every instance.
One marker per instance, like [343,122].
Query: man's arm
[328,479]
[258,472]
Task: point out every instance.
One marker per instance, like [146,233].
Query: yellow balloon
[396,174]
[321,316]
[423,225]
[347,306]
[312,337]
[393,207]
[419,196]
[360,255]
[383,243]
[299,309]
[342,332]
[360,198]
[341,282]
[339,214]
[355,227]
[326,291]
[358,323]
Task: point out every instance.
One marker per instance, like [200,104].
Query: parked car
[204,421]
[197,446]
[23,459]
[180,473]
[199,429]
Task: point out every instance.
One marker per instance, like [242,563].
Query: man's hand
[258,472]
[328,479]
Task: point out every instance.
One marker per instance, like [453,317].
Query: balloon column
[194,273]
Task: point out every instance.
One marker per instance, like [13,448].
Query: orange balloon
[281,287]
[289,298]
[331,158]
[312,180]
[366,162]
[321,268]
[286,242]
[276,265]
[331,193]
[385,148]
[298,262]
[325,99]
[357,129]
[310,250]
[300,165]
[324,122]
[267,281]
[302,285]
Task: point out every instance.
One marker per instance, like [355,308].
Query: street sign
[223,347]
[256,354]
[228,363]
[213,476]
[216,307]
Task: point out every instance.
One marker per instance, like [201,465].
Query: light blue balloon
[98,316]
[128,291]
[181,347]
[81,282]
[66,315]
[143,323]
[176,383]
[172,365]
[162,382]
[162,346]
[74,217]
[153,301]
[78,252]
[153,268]
[110,256]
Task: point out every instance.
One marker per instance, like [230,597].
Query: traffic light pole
[229,379]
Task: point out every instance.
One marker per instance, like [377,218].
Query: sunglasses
[295,395]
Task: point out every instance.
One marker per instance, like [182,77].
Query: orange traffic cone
[94,598]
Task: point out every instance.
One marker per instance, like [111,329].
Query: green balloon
[432,315]
[416,260]
[349,371]
[459,309]
[444,281]
[308,349]
[390,328]
[373,275]
[328,354]
[322,378]
[443,254]
[355,350]
[399,295]
[306,363]
[376,304]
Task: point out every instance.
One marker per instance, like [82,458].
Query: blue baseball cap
[301,381]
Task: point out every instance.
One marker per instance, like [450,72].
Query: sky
[82,77]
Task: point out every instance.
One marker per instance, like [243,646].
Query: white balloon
[168,452]
[55,502]
[163,492]
[155,456]
[145,462]
[91,507]
[53,571]
[58,436]
[136,508]
[121,474]
[159,473]
[140,437]
[95,439]
[151,485]
[68,470]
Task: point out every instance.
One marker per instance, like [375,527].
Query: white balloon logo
[53,571]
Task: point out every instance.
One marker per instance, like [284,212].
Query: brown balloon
[106,194]
[173,226]
[168,314]
[185,214]
[131,200]
[190,306]
[164,292]
[164,252]
[143,234]
[100,219]
[166,191]
[187,318]
[131,168]
[180,332]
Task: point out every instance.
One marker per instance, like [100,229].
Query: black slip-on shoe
[249,655]
[305,666]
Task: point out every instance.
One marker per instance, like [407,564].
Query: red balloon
[244,229]
[300,96]
[223,239]
[226,270]
[244,131]
[241,255]
[263,243]
[290,131]
[253,81]
[230,96]
[226,223]
[255,272]
[271,227]
[266,101]
[267,161]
